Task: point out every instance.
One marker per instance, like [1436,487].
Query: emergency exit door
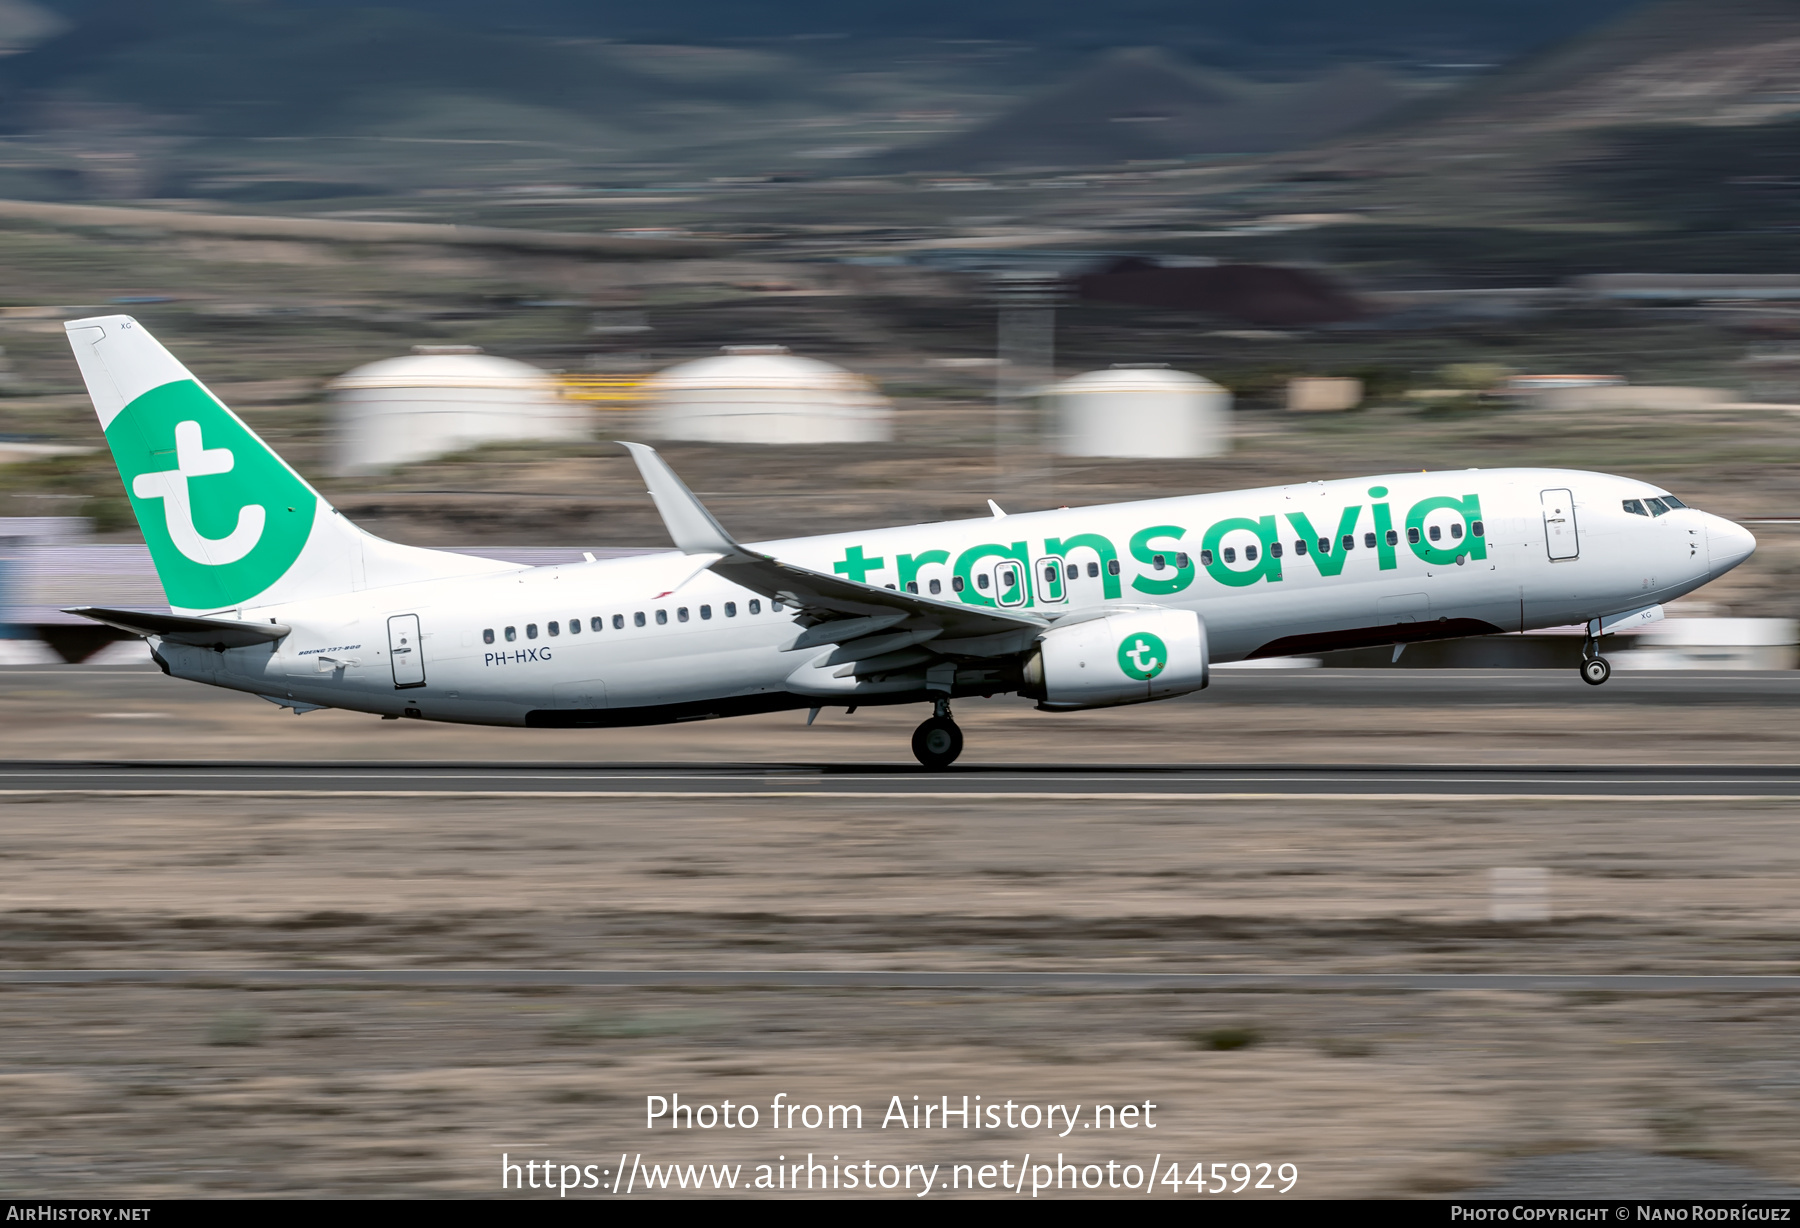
[1559,524]
[404,650]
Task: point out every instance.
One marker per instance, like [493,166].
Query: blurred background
[1399,237]
[875,264]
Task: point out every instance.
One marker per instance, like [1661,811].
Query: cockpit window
[1657,506]
[1673,502]
[1635,507]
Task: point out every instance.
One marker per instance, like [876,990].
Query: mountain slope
[1676,61]
[1139,105]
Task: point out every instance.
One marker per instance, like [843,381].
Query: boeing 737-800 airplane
[276,594]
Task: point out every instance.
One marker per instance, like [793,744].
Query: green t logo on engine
[1143,656]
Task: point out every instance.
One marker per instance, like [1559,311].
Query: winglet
[689,523]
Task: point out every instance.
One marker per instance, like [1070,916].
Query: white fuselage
[660,638]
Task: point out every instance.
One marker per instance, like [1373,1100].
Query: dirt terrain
[215,1086]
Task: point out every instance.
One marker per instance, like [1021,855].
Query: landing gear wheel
[937,742]
[1595,670]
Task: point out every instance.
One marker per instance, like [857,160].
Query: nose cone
[1727,545]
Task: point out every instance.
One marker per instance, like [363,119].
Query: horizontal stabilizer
[182,629]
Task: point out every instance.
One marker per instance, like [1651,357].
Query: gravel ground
[217,1087]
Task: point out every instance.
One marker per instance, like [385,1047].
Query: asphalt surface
[849,781]
[776,978]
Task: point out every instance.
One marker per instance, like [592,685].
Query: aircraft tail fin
[229,524]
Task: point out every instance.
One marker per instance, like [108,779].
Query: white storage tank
[1715,643]
[1142,409]
[763,394]
[442,399]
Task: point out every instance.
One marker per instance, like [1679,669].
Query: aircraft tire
[937,742]
[1595,670]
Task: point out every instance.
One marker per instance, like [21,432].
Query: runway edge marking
[797,978]
[892,795]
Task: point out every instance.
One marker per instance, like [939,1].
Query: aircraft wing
[871,624]
[183,629]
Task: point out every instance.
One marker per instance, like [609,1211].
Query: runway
[1230,686]
[776,978]
[1170,781]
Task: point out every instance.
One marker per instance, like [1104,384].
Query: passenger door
[1559,525]
[406,651]
[1010,584]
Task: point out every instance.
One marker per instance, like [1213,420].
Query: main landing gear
[1595,669]
[938,741]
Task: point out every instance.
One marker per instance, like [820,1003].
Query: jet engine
[1125,658]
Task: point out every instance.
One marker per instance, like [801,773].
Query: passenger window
[1456,532]
[1093,570]
[1181,562]
[681,614]
[1299,546]
[1112,567]
[487,637]
[511,635]
[912,586]
[981,580]
[1393,537]
[1050,574]
[731,609]
[936,587]
[1412,535]
[1324,545]
[705,613]
[755,606]
[595,623]
[891,587]
[1350,541]
[1206,558]
[1477,529]
[637,619]
[574,626]
[1009,577]
[618,622]
[1435,532]
[956,584]
[531,631]
[1275,549]
[1156,561]
[1250,554]
[662,618]
[1368,541]
[1073,571]
[774,606]
[1635,508]
[553,628]
[1231,554]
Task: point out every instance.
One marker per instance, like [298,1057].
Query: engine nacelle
[1126,658]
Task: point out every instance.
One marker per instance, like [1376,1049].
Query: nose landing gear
[938,741]
[1595,669]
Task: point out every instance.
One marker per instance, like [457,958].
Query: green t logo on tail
[223,517]
[1143,656]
